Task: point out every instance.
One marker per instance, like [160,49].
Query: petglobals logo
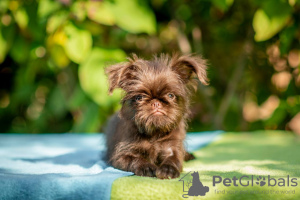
[194,186]
[260,181]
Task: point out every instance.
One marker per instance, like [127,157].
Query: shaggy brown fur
[146,136]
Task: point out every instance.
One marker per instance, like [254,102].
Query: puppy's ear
[122,74]
[187,65]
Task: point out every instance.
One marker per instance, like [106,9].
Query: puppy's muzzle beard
[153,124]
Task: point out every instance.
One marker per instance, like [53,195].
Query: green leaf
[21,18]
[20,50]
[79,10]
[56,20]
[286,38]
[92,76]
[78,44]
[223,5]
[101,12]
[3,6]
[3,47]
[134,16]
[59,56]
[270,19]
[47,7]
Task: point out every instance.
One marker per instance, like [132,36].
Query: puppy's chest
[155,151]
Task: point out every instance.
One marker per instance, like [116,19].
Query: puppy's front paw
[146,169]
[166,171]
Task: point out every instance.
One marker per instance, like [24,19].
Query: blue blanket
[63,166]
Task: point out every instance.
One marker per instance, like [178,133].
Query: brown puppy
[146,136]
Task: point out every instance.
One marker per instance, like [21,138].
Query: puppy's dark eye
[139,98]
[171,96]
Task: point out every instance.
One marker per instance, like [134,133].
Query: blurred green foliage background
[53,54]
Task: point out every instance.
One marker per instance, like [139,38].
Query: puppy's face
[157,103]
[156,91]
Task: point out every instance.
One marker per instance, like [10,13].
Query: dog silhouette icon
[197,187]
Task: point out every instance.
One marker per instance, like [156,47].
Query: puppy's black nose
[156,105]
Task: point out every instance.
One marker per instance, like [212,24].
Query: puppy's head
[157,91]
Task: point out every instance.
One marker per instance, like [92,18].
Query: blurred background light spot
[4,99]
[280,65]
[130,38]
[293,100]
[34,110]
[184,44]
[6,19]
[273,53]
[268,107]
[141,43]
[281,80]
[252,112]
[40,52]
[40,94]
[154,44]
[296,76]
[169,32]
[62,78]
[294,124]
[292,2]
[197,35]
[294,58]
[297,80]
